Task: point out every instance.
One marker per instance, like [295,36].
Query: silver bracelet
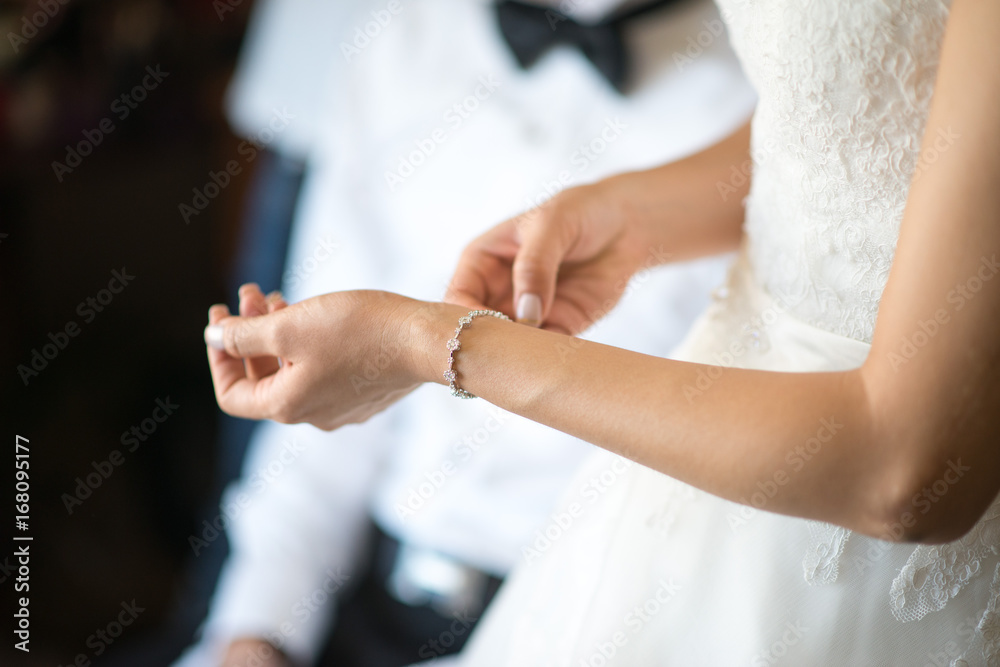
[454,346]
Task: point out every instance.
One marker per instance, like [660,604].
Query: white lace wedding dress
[648,571]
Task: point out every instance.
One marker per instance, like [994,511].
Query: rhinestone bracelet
[454,346]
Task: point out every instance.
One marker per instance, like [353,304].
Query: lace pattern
[933,575]
[822,561]
[832,171]
[985,646]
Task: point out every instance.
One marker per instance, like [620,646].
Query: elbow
[924,504]
[930,474]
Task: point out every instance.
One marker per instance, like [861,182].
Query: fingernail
[529,310]
[214,336]
[273,296]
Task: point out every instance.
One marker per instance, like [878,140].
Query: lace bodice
[844,89]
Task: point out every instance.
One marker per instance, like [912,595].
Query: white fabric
[661,574]
[355,231]
[282,72]
[588,11]
[845,88]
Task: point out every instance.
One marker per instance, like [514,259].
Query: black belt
[375,628]
[419,577]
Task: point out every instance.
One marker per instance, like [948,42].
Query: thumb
[536,265]
[244,337]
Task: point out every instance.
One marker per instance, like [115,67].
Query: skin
[250,651]
[903,429]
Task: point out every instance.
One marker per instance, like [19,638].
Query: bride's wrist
[430,325]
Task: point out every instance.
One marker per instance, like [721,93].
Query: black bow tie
[531,30]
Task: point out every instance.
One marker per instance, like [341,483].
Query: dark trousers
[373,629]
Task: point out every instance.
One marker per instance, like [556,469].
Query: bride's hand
[561,266]
[254,303]
[343,356]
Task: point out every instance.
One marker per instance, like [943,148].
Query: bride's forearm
[798,444]
[692,207]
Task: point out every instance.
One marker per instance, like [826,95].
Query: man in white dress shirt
[432,131]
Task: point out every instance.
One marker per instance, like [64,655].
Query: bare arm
[897,427]
[693,206]
[902,424]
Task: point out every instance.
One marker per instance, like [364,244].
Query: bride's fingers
[244,337]
[536,267]
[253,304]
[468,286]
[243,397]
[229,340]
[481,280]
[226,370]
[567,317]
[275,301]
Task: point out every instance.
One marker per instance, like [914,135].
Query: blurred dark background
[78,203]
